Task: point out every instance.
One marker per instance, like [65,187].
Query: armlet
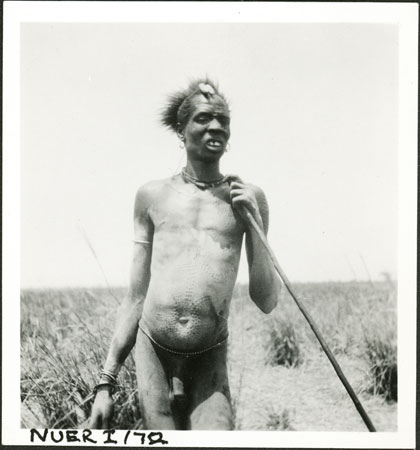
[138,241]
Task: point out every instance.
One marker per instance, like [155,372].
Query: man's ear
[180,132]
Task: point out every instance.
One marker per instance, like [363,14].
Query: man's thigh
[153,386]
[210,405]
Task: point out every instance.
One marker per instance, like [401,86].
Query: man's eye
[206,118]
[203,118]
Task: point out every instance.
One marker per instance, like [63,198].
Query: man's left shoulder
[259,193]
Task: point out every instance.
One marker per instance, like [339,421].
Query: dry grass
[283,346]
[65,335]
[381,354]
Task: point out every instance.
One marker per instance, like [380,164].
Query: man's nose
[215,124]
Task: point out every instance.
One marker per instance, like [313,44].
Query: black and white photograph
[209,221]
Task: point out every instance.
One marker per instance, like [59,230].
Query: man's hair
[179,106]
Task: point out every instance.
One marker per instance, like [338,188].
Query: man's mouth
[214,144]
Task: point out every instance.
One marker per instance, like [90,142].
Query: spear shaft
[311,323]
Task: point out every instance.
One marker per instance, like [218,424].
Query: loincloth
[175,362]
[143,328]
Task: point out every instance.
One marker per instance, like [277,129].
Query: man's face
[207,130]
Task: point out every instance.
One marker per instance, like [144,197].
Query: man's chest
[193,209]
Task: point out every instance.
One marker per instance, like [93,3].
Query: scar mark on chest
[195,272]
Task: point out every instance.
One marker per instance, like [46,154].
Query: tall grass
[356,319]
[381,352]
[283,347]
[64,338]
[65,335]
[279,421]
[382,357]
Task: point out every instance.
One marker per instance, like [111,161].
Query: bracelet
[107,374]
[138,241]
[110,381]
[111,385]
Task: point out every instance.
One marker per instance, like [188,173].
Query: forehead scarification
[215,103]
[181,104]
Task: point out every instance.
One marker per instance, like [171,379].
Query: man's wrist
[107,382]
[104,388]
[255,214]
[259,222]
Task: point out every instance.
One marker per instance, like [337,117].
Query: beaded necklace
[199,183]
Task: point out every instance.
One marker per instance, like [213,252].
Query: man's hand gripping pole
[310,321]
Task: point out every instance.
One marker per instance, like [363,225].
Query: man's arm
[130,310]
[264,283]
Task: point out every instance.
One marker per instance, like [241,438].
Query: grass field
[280,378]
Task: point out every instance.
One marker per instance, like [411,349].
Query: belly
[189,330]
[187,304]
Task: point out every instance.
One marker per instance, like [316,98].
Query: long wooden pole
[311,323]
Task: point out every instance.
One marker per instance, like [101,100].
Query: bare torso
[197,243]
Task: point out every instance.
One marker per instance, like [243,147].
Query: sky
[314,124]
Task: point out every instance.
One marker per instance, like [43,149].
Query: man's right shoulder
[153,189]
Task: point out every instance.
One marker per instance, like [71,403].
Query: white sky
[314,123]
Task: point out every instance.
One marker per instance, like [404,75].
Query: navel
[183,320]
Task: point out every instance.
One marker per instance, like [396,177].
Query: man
[188,233]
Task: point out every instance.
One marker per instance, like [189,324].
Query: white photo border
[404,15]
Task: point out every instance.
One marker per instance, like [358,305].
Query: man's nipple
[184,320]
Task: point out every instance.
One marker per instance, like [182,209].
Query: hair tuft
[172,113]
